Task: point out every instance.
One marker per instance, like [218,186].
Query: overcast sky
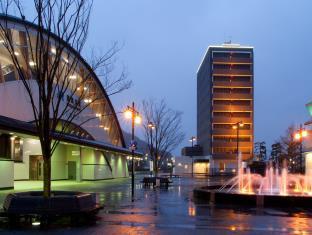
[164,42]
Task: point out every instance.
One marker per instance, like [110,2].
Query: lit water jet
[274,182]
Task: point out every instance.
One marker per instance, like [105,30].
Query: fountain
[274,182]
[276,187]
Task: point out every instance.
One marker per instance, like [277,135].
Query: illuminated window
[222,166]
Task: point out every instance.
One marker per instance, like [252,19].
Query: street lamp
[299,136]
[151,127]
[133,114]
[237,126]
[192,139]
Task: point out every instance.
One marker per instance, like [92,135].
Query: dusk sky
[164,42]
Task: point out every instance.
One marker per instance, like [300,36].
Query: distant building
[307,144]
[201,164]
[183,165]
[225,96]
[276,151]
[192,151]
[260,153]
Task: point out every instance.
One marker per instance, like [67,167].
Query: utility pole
[135,119]
[237,127]
[132,153]
[152,126]
[192,139]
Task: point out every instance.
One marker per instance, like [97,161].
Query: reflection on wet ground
[163,211]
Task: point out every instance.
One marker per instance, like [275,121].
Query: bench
[151,181]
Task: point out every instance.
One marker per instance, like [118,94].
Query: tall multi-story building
[225,97]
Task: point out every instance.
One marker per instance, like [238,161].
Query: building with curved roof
[93,148]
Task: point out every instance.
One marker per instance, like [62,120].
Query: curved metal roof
[14,19]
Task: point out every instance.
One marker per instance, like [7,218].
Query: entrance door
[35,167]
[72,170]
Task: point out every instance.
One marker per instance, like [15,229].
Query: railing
[233,144]
[231,60]
[222,119]
[233,83]
[219,131]
[227,72]
[232,108]
[232,96]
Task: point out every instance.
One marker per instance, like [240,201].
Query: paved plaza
[165,211]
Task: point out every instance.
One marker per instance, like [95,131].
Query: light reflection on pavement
[164,211]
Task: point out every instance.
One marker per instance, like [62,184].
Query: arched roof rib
[16,20]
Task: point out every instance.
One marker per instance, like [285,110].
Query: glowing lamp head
[297,136]
[304,133]
[32,63]
[234,127]
[151,125]
[73,77]
[241,124]
[53,50]
[137,119]
[87,101]
[128,114]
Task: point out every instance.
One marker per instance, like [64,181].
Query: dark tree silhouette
[290,149]
[48,63]
[167,131]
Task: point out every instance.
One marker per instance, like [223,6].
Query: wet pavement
[173,210]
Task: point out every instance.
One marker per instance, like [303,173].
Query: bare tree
[104,66]
[290,149]
[166,134]
[47,62]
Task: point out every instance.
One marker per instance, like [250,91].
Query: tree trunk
[46,176]
[156,165]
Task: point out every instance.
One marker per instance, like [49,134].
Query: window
[221,166]
[233,114]
[8,73]
[221,78]
[232,66]
[230,126]
[241,102]
[221,90]
[17,147]
[230,139]
[5,151]
[221,54]
[241,79]
[241,91]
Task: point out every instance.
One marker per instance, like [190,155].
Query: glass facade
[83,83]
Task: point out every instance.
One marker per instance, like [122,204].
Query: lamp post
[300,135]
[133,114]
[151,127]
[192,139]
[237,126]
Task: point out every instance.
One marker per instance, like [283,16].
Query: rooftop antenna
[229,41]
